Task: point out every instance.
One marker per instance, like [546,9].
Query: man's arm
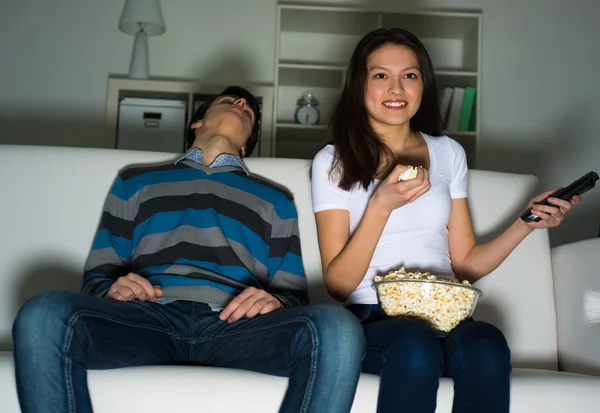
[287,281]
[111,252]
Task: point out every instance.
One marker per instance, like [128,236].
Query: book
[467,109]
[455,109]
[445,99]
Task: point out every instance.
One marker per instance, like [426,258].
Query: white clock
[307,111]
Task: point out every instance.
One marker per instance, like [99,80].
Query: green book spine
[467,109]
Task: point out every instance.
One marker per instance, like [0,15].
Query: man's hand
[249,303]
[131,287]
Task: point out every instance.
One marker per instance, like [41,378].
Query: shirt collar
[224,159]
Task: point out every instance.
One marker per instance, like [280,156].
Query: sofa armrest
[576,271]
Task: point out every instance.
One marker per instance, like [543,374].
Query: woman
[369,223]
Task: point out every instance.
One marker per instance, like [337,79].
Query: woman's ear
[243,151]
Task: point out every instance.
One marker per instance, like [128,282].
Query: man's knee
[333,329]
[43,315]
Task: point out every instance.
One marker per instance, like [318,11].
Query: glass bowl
[441,304]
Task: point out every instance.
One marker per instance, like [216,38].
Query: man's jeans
[410,357]
[58,336]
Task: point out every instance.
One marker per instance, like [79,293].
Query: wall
[538,88]
[57,55]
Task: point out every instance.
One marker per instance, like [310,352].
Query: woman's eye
[380,76]
[410,76]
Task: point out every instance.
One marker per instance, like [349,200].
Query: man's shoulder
[139,172]
[273,187]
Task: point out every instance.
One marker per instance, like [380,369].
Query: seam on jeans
[191,330]
[251,330]
[75,317]
[68,370]
[382,358]
[459,349]
[313,365]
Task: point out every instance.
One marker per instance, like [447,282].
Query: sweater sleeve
[111,251]
[287,281]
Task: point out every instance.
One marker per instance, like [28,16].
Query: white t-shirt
[416,235]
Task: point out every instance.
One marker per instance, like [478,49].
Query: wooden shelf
[299,126]
[315,43]
[310,66]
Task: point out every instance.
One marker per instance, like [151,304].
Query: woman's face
[394,86]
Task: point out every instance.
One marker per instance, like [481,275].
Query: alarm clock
[307,111]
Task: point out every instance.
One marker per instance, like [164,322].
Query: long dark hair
[359,150]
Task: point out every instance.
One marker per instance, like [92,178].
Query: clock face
[307,115]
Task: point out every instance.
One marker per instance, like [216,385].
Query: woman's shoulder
[324,157]
[444,143]
[326,151]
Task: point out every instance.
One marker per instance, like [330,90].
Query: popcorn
[442,303]
[410,173]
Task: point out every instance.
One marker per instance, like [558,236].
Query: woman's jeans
[410,357]
[58,336]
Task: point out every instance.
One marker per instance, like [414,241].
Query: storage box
[152,125]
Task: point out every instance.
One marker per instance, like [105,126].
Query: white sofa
[50,204]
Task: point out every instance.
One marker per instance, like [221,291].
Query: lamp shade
[145,12]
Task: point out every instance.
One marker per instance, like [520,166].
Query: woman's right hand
[392,194]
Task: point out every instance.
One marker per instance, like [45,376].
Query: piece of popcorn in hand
[410,173]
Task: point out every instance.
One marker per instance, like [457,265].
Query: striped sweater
[202,234]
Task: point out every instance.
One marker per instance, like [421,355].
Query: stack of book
[456,107]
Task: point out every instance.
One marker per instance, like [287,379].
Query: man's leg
[320,348]
[58,335]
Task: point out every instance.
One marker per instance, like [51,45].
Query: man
[194,262]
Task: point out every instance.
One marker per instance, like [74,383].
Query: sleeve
[459,184]
[287,281]
[325,192]
[110,256]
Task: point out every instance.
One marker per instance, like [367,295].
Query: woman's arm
[472,261]
[345,259]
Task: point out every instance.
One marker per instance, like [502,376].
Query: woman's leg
[408,357]
[478,359]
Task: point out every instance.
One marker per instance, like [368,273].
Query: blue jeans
[58,336]
[410,357]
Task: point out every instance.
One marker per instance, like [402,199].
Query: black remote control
[583,184]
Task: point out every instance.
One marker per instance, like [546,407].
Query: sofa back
[51,199]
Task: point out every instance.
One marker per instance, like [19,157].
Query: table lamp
[141,18]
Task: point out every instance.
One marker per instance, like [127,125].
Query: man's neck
[214,147]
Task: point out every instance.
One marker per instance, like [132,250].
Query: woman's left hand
[551,215]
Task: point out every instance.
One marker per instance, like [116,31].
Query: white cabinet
[314,45]
[152,125]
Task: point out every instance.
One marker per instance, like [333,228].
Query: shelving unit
[314,45]
[190,91]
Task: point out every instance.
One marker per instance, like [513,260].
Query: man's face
[231,117]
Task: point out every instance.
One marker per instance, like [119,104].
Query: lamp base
[138,67]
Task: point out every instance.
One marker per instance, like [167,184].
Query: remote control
[583,184]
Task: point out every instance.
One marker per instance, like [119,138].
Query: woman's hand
[392,194]
[551,215]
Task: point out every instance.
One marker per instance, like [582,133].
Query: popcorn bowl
[441,303]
